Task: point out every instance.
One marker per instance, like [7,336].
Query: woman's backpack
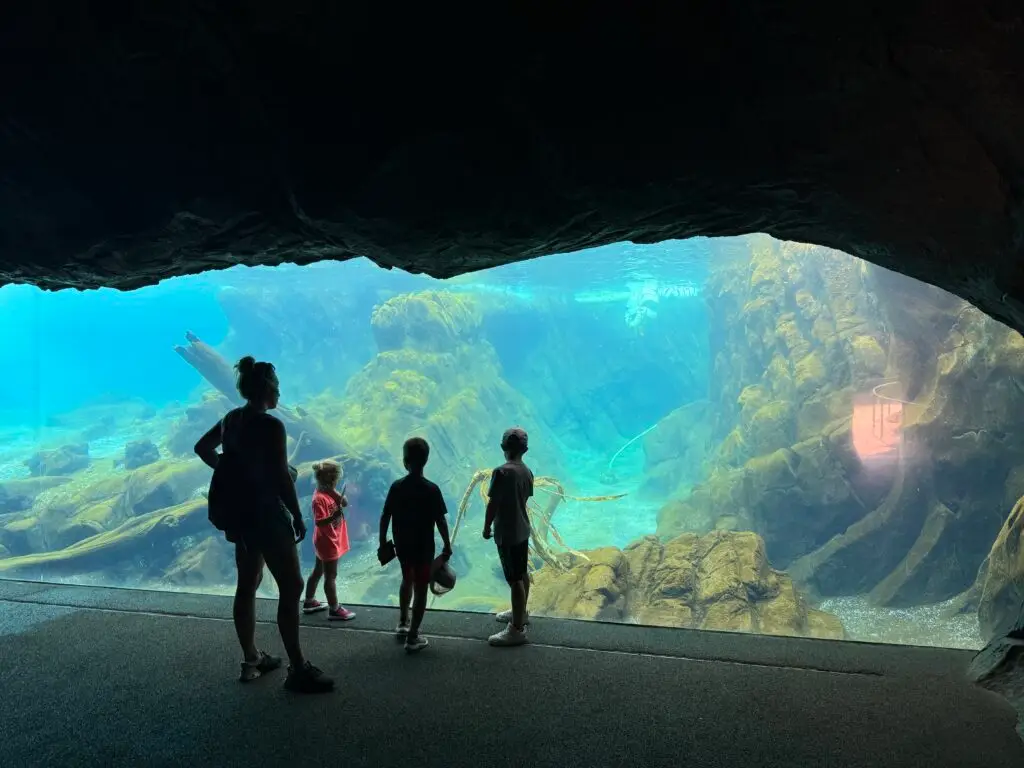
[228,501]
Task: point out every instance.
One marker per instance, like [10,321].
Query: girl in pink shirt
[330,541]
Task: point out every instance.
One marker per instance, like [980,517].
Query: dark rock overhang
[146,140]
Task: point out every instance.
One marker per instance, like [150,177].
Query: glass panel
[735,434]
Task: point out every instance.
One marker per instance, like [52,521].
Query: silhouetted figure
[330,541]
[269,522]
[511,487]
[413,507]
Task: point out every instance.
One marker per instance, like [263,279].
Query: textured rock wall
[160,139]
[798,334]
[719,581]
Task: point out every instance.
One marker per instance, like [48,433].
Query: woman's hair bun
[246,365]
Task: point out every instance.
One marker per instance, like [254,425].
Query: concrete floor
[114,677]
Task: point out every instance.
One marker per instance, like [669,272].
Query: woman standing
[271,526]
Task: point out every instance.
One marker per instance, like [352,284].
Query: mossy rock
[721,581]
[824,625]
[821,410]
[590,590]
[779,378]
[20,495]
[74,531]
[1002,594]
[208,564]
[148,536]
[163,484]
[428,321]
[770,428]
[809,375]
[195,422]
[65,460]
[869,358]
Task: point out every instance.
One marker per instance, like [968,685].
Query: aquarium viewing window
[733,434]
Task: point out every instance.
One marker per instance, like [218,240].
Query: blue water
[65,349]
[590,349]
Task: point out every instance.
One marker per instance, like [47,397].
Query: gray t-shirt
[511,486]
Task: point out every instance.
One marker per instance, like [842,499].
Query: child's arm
[321,514]
[492,502]
[441,518]
[385,518]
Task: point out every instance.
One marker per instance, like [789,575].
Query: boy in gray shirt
[511,487]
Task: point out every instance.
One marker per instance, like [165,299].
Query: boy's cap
[515,436]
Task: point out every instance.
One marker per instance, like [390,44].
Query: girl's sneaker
[340,613]
[403,630]
[415,643]
[313,606]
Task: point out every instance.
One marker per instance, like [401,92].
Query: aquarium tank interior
[735,434]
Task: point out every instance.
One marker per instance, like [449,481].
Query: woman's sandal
[254,669]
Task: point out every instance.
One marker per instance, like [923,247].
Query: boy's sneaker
[403,630]
[415,643]
[340,613]
[506,616]
[313,606]
[509,636]
[308,679]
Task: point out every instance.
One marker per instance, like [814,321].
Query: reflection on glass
[736,434]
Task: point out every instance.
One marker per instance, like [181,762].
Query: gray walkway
[111,677]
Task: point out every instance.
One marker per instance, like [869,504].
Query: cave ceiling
[147,140]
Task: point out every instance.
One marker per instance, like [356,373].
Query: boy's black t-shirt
[415,505]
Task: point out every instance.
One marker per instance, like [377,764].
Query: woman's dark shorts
[514,561]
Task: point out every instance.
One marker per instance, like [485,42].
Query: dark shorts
[514,561]
[417,571]
[265,529]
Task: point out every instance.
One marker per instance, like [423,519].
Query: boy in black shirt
[413,507]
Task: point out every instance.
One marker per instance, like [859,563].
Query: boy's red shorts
[417,573]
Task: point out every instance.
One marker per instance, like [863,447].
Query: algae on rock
[720,581]
[436,376]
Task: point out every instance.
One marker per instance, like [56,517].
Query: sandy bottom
[932,625]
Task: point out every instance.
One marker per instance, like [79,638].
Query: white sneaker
[509,636]
[506,616]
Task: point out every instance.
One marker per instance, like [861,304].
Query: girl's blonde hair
[327,473]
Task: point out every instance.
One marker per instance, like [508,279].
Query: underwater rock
[799,336]
[139,453]
[208,563]
[676,449]
[1001,604]
[999,667]
[19,495]
[795,498]
[431,321]
[455,398]
[149,536]
[720,581]
[196,420]
[162,484]
[61,461]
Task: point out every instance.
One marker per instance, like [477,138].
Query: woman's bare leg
[314,580]
[249,564]
[283,562]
